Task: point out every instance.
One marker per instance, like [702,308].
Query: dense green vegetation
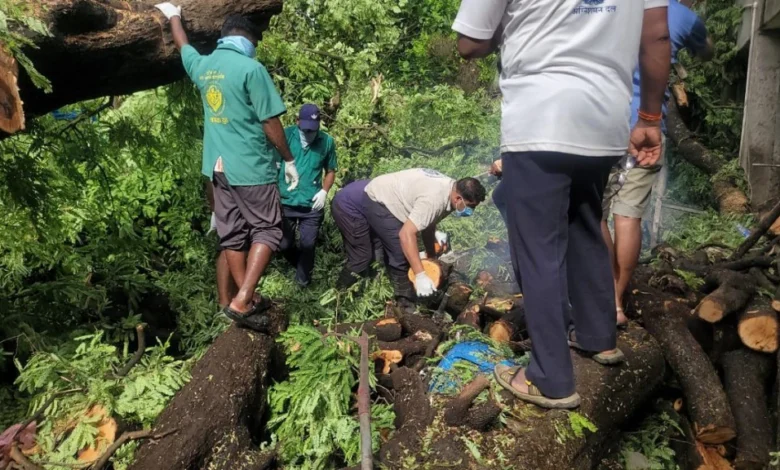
[106,221]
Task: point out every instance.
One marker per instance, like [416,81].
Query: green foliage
[652,440]
[16,19]
[691,279]
[316,401]
[82,374]
[693,231]
[575,427]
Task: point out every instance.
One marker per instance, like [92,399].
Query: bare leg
[247,274]
[226,287]
[628,244]
[621,317]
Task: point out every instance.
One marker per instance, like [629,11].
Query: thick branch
[758,232]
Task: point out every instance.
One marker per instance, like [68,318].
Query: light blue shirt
[686,30]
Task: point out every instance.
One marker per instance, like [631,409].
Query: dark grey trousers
[554,221]
[247,214]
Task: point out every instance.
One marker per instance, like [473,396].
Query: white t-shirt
[419,195]
[566,70]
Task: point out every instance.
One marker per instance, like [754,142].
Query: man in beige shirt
[398,206]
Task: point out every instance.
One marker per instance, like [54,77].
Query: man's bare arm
[275,132]
[179,35]
[655,55]
[408,236]
[327,182]
[470,48]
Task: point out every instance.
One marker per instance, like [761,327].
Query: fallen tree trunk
[218,415]
[704,396]
[107,47]
[731,199]
[745,375]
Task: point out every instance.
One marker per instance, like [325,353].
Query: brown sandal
[610,358]
[504,375]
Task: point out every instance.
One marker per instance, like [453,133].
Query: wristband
[650,117]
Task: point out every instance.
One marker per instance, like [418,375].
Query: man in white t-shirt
[397,206]
[566,70]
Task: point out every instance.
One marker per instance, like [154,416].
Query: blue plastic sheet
[473,352]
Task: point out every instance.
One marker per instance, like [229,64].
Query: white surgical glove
[442,237]
[319,200]
[213,225]
[424,285]
[423,255]
[291,175]
[169,9]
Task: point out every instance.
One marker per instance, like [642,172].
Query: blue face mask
[243,44]
[466,212]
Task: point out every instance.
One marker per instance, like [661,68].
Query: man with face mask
[398,206]
[241,137]
[315,154]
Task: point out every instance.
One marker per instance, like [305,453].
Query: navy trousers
[554,222]
[307,222]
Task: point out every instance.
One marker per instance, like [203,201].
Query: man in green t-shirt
[242,135]
[315,154]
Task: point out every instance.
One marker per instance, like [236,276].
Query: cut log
[384,329]
[758,327]
[776,300]
[409,346]
[704,396]
[733,293]
[460,294]
[456,410]
[731,199]
[120,47]
[433,269]
[11,114]
[416,323]
[471,316]
[745,376]
[501,331]
[224,402]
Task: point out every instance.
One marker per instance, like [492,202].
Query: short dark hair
[471,190]
[239,24]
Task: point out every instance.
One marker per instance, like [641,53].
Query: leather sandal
[504,375]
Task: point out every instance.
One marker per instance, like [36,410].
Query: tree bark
[731,199]
[110,47]
[219,413]
[745,374]
[704,396]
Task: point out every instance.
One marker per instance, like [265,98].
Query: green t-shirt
[238,95]
[310,162]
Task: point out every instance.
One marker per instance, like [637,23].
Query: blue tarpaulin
[473,352]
